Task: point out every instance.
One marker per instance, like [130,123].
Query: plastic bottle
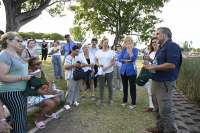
[54,86]
[155,62]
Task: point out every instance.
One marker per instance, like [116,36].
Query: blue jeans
[57,65]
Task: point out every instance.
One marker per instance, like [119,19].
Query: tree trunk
[15,19]
[118,34]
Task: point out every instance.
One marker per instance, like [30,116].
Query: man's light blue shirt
[67,47]
[93,50]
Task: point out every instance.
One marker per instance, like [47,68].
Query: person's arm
[121,55]
[134,51]
[24,55]
[37,54]
[63,48]
[143,49]
[41,46]
[162,67]
[4,126]
[5,78]
[147,57]
[129,50]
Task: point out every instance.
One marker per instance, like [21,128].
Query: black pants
[95,79]
[44,54]
[132,82]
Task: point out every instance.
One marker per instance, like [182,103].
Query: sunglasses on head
[17,40]
[39,63]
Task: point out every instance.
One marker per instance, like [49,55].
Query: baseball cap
[66,35]
[143,77]
[33,85]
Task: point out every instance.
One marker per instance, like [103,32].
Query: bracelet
[22,77]
[2,120]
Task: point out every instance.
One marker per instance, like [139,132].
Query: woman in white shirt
[105,58]
[88,58]
[73,86]
[56,59]
[153,49]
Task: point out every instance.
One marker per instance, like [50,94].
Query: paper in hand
[100,71]
[48,96]
[37,71]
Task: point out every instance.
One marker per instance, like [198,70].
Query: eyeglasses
[17,40]
[154,42]
[118,46]
[39,63]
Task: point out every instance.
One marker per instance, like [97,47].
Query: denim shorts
[87,75]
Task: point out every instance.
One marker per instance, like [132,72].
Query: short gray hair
[166,30]
[85,44]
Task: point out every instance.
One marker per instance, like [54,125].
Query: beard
[161,41]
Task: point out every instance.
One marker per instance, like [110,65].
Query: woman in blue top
[128,71]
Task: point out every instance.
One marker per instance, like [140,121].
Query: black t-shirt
[44,46]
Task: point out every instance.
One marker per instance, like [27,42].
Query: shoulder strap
[28,53]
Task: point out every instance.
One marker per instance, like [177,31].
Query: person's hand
[28,77]
[130,47]
[92,74]
[5,127]
[92,65]
[148,66]
[146,56]
[54,92]
[49,91]
[77,65]
[105,68]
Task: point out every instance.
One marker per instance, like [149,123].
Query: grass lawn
[104,118]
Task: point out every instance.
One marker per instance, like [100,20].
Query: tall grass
[189,78]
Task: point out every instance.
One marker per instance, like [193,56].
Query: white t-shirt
[152,55]
[58,53]
[68,61]
[24,43]
[105,58]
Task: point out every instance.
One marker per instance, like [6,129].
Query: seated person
[47,104]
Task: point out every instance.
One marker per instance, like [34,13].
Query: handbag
[78,74]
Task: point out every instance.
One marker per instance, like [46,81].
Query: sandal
[111,103]
[67,107]
[40,125]
[55,78]
[77,104]
[123,104]
[52,116]
[98,102]
[132,106]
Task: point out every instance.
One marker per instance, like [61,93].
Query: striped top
[18,66]
[68,61]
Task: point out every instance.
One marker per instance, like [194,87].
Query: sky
[181,16]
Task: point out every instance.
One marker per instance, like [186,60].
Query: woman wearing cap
[88,58]
[44,50]
[47,104]
[56,59]
[105,58]
[153,49]
[73,87]
[128,71]
[13,81]
[117,67]
[30,51]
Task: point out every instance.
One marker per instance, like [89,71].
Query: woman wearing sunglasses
[117,67]
[56,59]
[30,51]
[47,104]
[153,49]
[13,81]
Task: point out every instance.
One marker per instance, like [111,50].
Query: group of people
[119,64]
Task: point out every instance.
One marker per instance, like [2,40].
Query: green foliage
[78,33]
[188,80]
[118,17]
[33,35]
[56,36]
[186,46]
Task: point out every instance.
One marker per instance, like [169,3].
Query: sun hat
[33,85]
[143,77]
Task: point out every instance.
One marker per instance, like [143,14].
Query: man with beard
[169,60]
[67,46]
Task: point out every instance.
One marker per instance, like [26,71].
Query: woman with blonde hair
[13,81]
[88,58]
[128,71]
[105,58]
[30,51]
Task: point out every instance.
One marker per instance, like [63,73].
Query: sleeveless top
[44,46]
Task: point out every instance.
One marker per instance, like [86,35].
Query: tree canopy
[78,33]
[20,12]
[118,17]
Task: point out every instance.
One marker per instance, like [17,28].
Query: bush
[189,78]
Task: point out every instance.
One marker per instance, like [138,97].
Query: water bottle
[54,86]
[155,62]
[103,74]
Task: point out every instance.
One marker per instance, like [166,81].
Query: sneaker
[96,89]
[114,88]
[83,98]
[121,89]
[93,98]
[88,90]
